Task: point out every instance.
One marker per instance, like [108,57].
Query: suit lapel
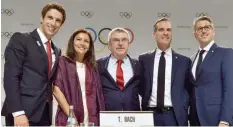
[151,59]
[206,59]
[133,65]
[57,53]
[175,65]
[106,73]
[40,45]
[36,36]
[193,60]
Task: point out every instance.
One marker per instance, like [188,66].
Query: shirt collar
[42,36]
[114,60]
[167,51]
[207,48]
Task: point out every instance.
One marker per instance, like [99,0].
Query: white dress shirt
[82,78]
[44,40]
[207,48]
[168,71]
[126,67]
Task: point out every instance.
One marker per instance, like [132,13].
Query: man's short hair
[160,20]
[117,29]
[56,6]
[202,18]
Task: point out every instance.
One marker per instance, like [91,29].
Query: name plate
[126,118]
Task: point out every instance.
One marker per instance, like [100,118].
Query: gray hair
[201,18]
[117,29]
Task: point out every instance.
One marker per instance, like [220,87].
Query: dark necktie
[161,81]
[199,62]
[49,54]
[119,75]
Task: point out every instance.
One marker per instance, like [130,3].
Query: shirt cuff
[18,113]
[224,122]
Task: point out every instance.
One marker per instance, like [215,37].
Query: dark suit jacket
[115,99]
[179,94]
[214,87]
[26,80]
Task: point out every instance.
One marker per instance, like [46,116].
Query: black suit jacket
[26,80]
[115,99]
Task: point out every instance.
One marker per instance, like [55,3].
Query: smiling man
[31,62]
[211,76]
[164,79]
[120,74]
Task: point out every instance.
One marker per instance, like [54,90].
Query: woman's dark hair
[89,57]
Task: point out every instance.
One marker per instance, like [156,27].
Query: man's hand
[21,120]
[223,125]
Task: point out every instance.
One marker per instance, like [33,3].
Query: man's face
[163,35]
[204,32]
[51,23]
[119,44]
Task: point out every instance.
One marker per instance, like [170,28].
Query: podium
[126,118]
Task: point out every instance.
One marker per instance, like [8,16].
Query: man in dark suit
[31,61]
[165,73]
[211,76]
[119,74]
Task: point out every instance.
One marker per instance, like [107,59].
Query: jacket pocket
[28,92]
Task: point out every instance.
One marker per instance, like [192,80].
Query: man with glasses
[211,79]
[120,74]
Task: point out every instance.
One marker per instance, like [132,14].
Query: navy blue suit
[115,99]
[179,76]
[213,88]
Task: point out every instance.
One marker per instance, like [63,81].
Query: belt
[160,110]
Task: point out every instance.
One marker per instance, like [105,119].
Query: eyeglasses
[117,40]
[206,28]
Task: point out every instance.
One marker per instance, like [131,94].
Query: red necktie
[119,75]
[49,54]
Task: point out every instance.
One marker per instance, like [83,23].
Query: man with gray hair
[120,74]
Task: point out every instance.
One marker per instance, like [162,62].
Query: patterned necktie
[161,81]
[119,75]
[49,54]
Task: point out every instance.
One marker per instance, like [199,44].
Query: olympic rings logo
[164,15]
[6,34]
[7,12]
[100,36]
[87,14]
[125,15]
[201,14]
